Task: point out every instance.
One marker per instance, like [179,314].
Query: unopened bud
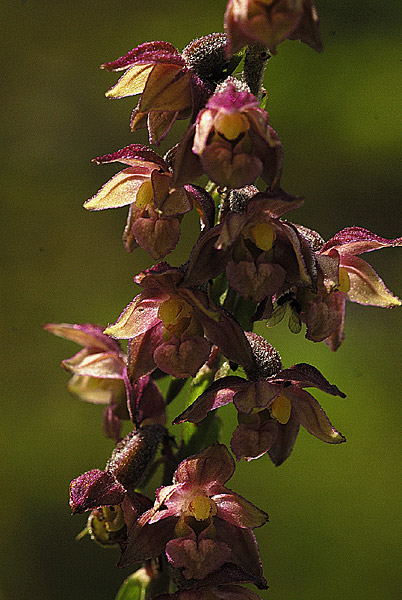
[206,56]
[133,456]
[267,358]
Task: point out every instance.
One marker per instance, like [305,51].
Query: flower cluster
[195,539]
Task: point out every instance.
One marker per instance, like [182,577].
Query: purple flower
[172,327]
[158,72]
[100,377]
[272,404]
[156,207]
[269,22]
[268,254]
[200,524]
[172,85]
[232,139]
[343,276]
[98,371]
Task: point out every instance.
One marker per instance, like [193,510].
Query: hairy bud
[238,199]
[206,57]
[267,359]
[133,456]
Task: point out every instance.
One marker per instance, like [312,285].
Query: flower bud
[206,56]
[134,455]
[106,525]
[267,359]
[239,198]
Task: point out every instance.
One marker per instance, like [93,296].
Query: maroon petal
[238,511]
[322,320]
[161,278]
[275,204]
[305,375]
[218,394]
[214,465]
[338,302]
[257,394]
[285,440]
[148,402]
[133,507]
[355,240]
[366,287]
[111,423]
[255,281]
[231,229]
[187,165]
[157,236]
[140,358]
[159,124]
[147,541]
[182,358]
[205,261]
[310,415]
[146,53]
[103,365]
[304,254]
[252,440]
[95,488]
[86,334]
[222,329]
[197,558]
[134,155]
[204,204]
[139,316]
[245,552]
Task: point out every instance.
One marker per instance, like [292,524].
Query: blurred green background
[335,511]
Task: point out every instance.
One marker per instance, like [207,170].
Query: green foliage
[133,588]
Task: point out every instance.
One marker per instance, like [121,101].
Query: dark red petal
[137,152]
[146,53]
[95,488]
[213,465]
[305,375]
[218,394]
[355,240]
[285,440]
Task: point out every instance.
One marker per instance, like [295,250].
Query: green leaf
[196,437]
[134,587]
[144,585]
[245,310]
[219,289]
[174,389]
